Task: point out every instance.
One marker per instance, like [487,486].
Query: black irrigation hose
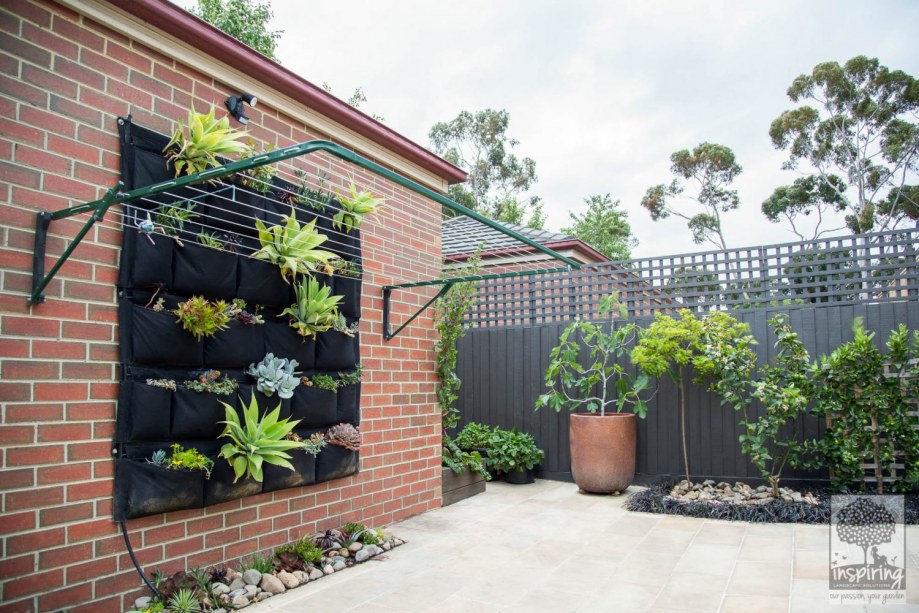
[140,571]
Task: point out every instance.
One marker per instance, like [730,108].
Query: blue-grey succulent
[275,375]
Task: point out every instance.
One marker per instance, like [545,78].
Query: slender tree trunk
[683,423]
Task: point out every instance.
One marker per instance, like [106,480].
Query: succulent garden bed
[223,588]
[741,502]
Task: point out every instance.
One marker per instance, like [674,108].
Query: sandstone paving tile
[720,533]
[618,595]
[663,540]
[692,592]
[811,564]
[760,579]
[765,549]
[755,604]
[712,559]
[812,537]
[646,568]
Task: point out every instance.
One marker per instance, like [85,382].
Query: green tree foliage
[861,132]
[605,227]
[672,345]
[710,169]
[244,20]
[478,143]
[805,197]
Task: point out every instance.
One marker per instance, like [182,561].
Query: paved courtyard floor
[544,547]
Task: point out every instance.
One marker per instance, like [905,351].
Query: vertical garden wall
[74,369]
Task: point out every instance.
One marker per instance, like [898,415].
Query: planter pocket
[335,462]
[350,289]
[236,347]
[349,405]
[200,270]
[143,489]
[260,282]
[220,487]
[232,208]
[196,415]
[146,411]
[344,244]
[157,339]
[314,407]
[145,264]
[304,472]
[336,351]
[265,403]
[284,342]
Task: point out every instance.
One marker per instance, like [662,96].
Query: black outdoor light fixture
[235,105]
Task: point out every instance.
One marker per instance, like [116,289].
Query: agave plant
[195,148]
[275,375]
[292,247]
[315,311]
[354,208]
[257,441]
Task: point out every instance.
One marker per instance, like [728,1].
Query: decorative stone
[220,610]
[240,592]
[237,584]
[288,580]
[327,569]
[142,602]
[263,596]
[251,591]
[387,546]
[343,552]
[362,555]
[301,576]
[252,577]
[708,482]
[240,602]
[272,584]
[315,573]
[219,588]
[336,559]
[374,550]
[339,566]
[355,546]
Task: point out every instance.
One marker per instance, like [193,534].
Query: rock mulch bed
[741,502]
[237,590]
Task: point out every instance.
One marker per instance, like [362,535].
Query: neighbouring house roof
[462,236]
[177,22]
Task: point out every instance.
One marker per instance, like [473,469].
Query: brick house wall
[64,79]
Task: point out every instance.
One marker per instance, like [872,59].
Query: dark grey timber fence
[501,362]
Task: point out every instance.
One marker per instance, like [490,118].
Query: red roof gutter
[573,243]
[181,24]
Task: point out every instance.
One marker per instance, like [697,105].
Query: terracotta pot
[603,451]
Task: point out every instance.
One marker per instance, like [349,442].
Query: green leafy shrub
[459,460]
[257,441]
[513,450]
[474,436]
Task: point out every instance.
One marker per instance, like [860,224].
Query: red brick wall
[63,82]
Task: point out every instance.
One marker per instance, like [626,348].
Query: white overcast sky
[599,93]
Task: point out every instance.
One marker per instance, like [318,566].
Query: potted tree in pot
[603,444]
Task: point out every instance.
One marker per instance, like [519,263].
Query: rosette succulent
[275,375]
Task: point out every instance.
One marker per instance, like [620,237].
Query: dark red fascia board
[556,246]
[181,24]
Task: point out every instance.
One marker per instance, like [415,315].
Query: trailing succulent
[312,445]
[210,381]
[256,441]
[292,247]
[275,375]
[315,311]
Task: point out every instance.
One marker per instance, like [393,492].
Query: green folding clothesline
[114,196]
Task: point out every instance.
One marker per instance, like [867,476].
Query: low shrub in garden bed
[813,508]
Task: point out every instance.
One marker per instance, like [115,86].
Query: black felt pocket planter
[146,409]
[349,288]
[158,339]
[146,260]
[342,243]
[234,208]
[260,282]
[145,489]
[284,342]
[197,415]
[314,407]
[236,347]
[200,270]
[304,472]
[336,351]
[335,462]
[349,405]
[220,487]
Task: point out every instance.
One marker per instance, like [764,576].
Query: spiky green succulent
[257,441]
[292,247]
[354,208]
[316,309]
[195,148]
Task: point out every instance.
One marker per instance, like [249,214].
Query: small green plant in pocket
[258,178]
[210,239]
[292,247]
[345,268]
[354,208]
[203,317]
[182,459]
[275,375]
[211,381]
[324,382]
[316,309]
[513,450]
[166,384]
[312,445]
[344,435]
[171,218]
[256,440]
[194,148]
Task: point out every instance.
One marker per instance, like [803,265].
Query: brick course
[66,79]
